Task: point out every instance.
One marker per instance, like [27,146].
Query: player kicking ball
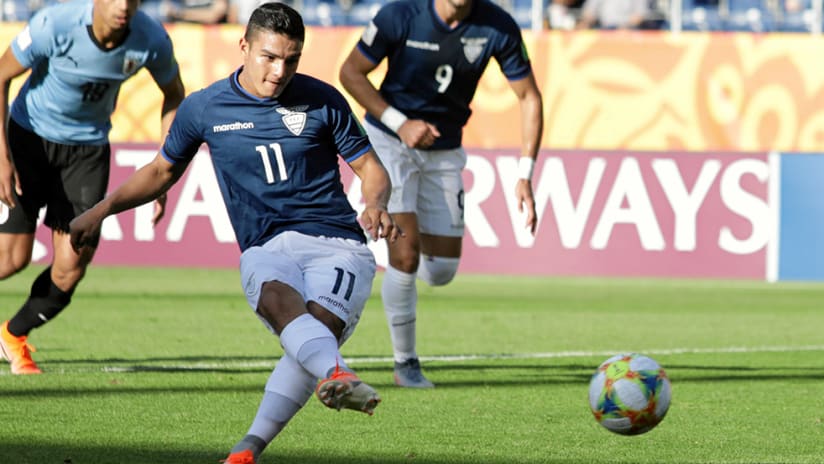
[274,137]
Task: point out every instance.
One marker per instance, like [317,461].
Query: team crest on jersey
[294,118]
[473,47]
[133,60]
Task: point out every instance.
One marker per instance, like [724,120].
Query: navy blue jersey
[71,92]
[434,70]
[276,160]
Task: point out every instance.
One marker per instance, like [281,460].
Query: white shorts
[335,273]
[425,182]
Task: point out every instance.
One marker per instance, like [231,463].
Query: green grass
[162,366]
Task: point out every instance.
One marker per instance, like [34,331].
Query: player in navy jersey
[54,151]
[436,51]
[275,138]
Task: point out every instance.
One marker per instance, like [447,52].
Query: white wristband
[525,166]
[392,118]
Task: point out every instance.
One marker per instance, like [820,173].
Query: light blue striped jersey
[72,90]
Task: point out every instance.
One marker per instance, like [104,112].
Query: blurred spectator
[21,10]
[193,11]
[241,10]
[657,15]
[796,6]
[613,14]
[157,9]
[563,14]
[703,15]
[363,11]
[797,15]
[200,11]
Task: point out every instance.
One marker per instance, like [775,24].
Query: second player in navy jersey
[54,151]
[434,68]
[275,138]
[436,51]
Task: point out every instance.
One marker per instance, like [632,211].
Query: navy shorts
[66,179]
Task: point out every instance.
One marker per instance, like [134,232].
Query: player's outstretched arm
[375,188]
[173,95]
[532,128]
[146,184]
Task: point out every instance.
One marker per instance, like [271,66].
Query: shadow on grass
[28,453]
[446,375]
[120,390]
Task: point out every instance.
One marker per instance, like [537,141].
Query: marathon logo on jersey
[473,47]
[431,46]
[334,303]
[233,126]
[133,60]
[294,118]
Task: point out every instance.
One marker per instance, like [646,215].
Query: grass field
[157,366]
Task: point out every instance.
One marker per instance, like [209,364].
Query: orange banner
[602,90]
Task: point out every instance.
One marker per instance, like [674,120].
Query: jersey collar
[235,81]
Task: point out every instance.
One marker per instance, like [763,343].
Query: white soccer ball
[629,394]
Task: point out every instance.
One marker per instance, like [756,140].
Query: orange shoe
[345,390]
[17,351]
[241,457]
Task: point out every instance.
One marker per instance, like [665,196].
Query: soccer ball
[629,394]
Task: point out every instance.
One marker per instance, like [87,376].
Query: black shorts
[66,179]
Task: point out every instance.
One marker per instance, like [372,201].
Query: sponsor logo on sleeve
[369,33]
[24,38]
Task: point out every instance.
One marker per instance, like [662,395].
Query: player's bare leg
[50,293]
[15,252]
[399,291]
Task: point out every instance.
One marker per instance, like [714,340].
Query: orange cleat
[241,457]
[344,390]
[17,351]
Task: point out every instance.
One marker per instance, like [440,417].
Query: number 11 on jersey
[267,163]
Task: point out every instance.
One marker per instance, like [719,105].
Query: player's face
[270,61]
[460,4]
[453,10]
[115,14]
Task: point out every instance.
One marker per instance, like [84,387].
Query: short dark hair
[276,17]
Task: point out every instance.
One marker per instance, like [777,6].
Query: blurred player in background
[274,138]
[54,151]
[437,51]
[613,14]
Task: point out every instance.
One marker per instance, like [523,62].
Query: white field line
[477,357]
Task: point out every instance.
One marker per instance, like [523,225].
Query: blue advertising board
[801,226]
